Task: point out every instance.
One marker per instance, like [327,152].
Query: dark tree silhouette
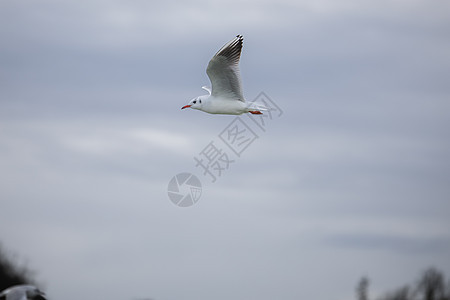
[431,285]
[362,289]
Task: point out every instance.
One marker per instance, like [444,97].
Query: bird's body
[223,105]
[225,96]
[215,105]
[22,292]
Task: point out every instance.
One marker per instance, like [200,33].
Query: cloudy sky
[351,180]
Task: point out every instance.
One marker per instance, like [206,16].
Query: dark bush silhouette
[11,272]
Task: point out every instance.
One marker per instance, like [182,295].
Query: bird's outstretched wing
[223,71]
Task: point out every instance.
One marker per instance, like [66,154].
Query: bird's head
[195,103]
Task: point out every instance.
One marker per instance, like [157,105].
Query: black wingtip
[232,50]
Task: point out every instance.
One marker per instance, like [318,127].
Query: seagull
[22,292]
[225,96]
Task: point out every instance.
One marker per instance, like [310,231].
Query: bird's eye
[194,102]
[199,101]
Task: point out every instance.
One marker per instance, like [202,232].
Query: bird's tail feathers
[257,106]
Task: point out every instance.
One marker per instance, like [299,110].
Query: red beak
[186,106]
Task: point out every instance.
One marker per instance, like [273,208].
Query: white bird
[22,292]
[225,96]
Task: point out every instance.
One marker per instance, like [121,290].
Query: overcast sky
[351,180]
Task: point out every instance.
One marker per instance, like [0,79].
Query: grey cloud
[388,242]
[92,131]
